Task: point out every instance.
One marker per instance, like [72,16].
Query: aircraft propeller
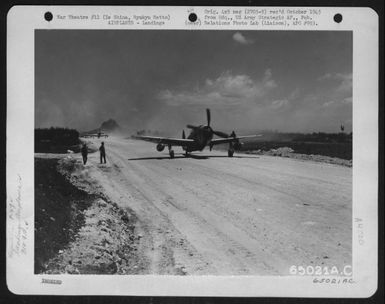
[218,133]
[192,127]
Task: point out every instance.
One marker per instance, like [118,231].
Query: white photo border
[21,24]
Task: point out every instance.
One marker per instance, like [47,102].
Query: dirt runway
[210,214]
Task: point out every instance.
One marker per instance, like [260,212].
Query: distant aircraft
[200,137]
[98,134]
[342,128]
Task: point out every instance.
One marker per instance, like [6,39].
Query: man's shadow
[193,156]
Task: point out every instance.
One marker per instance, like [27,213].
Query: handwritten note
[18,226]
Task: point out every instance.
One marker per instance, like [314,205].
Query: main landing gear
[171,152]
[230,152]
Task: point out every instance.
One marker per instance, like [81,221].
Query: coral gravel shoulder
[77,229]
[289,153]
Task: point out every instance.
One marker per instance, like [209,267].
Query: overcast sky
[251,80]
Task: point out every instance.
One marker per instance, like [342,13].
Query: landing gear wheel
[230,153]
[172,154]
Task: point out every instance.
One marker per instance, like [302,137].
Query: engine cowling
[238,146]
[160,147]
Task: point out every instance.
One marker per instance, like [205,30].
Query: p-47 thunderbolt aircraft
[94,134]
[200,137]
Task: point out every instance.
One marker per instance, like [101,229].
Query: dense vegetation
[328,144]
[56,140]
[307,137]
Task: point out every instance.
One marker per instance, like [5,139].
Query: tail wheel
[230,153]
[172,154]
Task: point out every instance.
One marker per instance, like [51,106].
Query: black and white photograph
[192,151]
[247,168]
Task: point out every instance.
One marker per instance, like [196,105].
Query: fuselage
[202,136]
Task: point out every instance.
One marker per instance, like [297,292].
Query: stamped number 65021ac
[320,270]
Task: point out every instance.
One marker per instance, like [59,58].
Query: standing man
[84,153]
[102,153]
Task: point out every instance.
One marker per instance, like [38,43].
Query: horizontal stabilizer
[232,139]
[166,140]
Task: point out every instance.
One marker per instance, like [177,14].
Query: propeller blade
[208,116]
[183,135]
[192,127]
[220,134]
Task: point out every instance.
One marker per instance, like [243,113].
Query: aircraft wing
[218,141]
[167,140]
